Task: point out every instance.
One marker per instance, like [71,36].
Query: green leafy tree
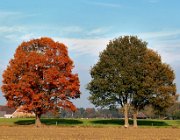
[125,75]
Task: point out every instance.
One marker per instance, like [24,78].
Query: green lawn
[89,122]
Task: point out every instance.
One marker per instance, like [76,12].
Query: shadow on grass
[108,122]
[152,123]
[25,122]
[121,122]
[61,121]
[74,122]
[50,122]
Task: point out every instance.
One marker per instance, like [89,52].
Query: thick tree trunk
[38,121]
[126,122]
[135,118]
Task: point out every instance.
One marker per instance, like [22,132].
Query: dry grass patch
[78,133]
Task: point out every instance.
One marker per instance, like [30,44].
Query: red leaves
[67,105]
[40,76]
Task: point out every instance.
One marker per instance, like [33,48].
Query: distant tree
[149,111]
[39,78]
[108,113]
[128,73]
[90,112]
[81,110]
[79,113]
[174,111]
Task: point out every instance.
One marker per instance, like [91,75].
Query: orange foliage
[40,78]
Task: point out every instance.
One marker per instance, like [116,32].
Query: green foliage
[89,122]
[176,115]
[129,72]
[113,76]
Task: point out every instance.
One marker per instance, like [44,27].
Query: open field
[86,133]
[89,122]
[100,129]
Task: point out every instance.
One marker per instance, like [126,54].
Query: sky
[86,27]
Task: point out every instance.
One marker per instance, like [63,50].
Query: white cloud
[84,46]
[27,37]
[166,43]
[5,14]
[18,32]
[12,29]
[164,35]
[2,68]
[160,34]
[18,38]
[14,33]
[98,31]
[72,29]
[25,33]
[15,15]
[169,51]
[1,71]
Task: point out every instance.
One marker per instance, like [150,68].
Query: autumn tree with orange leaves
[39,78]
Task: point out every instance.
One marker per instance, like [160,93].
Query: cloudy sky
[86,26]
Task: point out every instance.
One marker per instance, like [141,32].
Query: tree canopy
[39,78]
[128,73]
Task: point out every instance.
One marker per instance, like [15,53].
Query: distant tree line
[86,113]
[91,113]
[172,112]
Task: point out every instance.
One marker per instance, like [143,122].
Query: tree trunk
[38,121]
[135,118]
[126,122]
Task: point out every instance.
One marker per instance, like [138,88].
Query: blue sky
[86,26]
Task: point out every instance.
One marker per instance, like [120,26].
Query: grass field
[89,122]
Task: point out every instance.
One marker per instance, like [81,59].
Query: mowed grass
[88,122]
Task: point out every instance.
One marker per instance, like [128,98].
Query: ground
[85,129]
[86,133]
